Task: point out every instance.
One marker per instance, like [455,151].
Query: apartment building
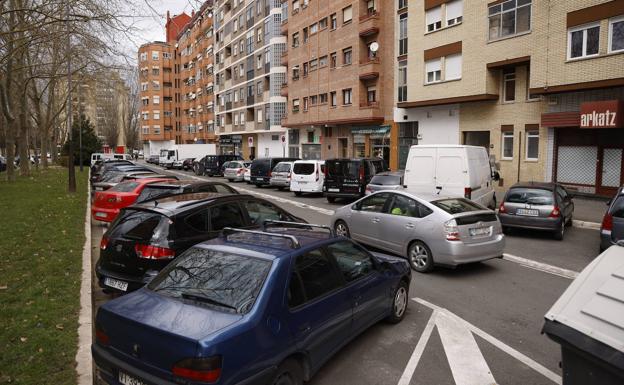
[248,78]
[519,77]
[340,79]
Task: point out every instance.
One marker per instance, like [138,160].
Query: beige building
[506,75]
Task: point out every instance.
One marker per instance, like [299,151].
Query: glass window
[333,98]
[402,81]
[333,60]
[333,21]
[316,274]
[353,262]
[375,203]
[226,215]
[434,70]
[616,34]
[457,205]
[508,139]
[347,96]
[532,145]
[150,193]
[404,206]
[403,34]
[347,14]
[136,225]
[433,18]
[509,18]
[454,10]
[583,41]
[617,210]
[347,56]
[529,196]
[509,85]
[261,211]
[124,187]
[199,221]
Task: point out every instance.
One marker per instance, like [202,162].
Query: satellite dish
[374,47]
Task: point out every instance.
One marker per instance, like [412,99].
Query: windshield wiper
[200,298]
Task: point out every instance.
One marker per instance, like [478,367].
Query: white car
[247,174]
[307,176]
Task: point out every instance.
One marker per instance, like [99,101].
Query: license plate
[333,190]
[303,182]
[527,212]
[127,379]
[115,283]
[100,215]
[99,189]
[480,231]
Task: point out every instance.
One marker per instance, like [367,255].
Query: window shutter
[454,9]
[347,14]
[453,66]
[434,15]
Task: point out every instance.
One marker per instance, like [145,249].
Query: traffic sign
[250,141]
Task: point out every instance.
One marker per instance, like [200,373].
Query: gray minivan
[612,228]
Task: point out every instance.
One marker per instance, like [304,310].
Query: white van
[100,155]
[122,156]
[451,170]
[307,176]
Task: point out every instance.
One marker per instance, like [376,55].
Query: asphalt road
[476,324]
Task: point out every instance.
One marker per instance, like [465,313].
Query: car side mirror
[495,176]
[356,207]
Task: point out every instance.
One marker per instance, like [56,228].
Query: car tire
[399,303]
[341,229]
[288,373]
[506,230]
[570,221]
[298,193]
[560,233]
[419,257]
[331,199]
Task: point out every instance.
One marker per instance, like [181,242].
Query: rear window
[125,187]
[617,210]
[282,167]
[304,168]
[346,168]
[137,225]
[216,279]
[386,180]
[457,205]
[152,192]
[113,177]
[530,196]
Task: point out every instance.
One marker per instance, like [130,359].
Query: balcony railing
[368,104]
[370,24]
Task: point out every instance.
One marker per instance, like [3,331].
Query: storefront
[231,145]
[371,141]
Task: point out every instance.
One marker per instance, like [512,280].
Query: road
[476,324]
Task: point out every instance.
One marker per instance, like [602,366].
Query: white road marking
[544,267]
[586,225]
[406,377]
[554,377]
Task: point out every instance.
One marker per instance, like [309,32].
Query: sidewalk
[589,209]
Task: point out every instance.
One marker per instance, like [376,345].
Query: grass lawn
[41,240]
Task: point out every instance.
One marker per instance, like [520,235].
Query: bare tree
[131,113]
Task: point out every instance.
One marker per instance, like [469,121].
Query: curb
[84,364]
[586,225]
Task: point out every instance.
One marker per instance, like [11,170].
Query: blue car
[249,307]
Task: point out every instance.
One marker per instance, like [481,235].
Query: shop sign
[237,139]
[225,139]
[378,130]
[606,114]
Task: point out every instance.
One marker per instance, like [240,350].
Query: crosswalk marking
[406,377]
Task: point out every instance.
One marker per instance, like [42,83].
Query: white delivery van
[183,151]
[100,155]
[307,176]
[451,170]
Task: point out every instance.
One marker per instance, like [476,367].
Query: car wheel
[399,303]
[288,373]
[331,199]
[419,257]
[506,230]
[298,193]
[559,233]
[341,229]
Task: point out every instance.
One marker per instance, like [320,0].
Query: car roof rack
[293,240]
[269,222]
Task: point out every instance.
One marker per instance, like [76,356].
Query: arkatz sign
[607,114]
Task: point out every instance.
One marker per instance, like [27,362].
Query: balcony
[366,105]
[284,59]
[284,28]
[369,24]
[370,68]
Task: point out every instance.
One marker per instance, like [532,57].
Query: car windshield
[231,282]
[532,196]
[343,168]
[125,187]
[304,168]
[386,180]
[457,205]
[153,192]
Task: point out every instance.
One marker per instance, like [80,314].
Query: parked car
[537,206]
[107,204]
[153,159]
[112,178]
[211,165]
[612,227]
[261,169]
[183,164]
[247,174]
[347,178]
[389,180]
[428,230]
[307,176]
[147,236]
[123,169]
[235,170]
[164,189]
[249,307]
[280,176]
[454,170]
[102,167]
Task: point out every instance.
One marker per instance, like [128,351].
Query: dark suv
[166,189]
[213,164]
[146,237]
[261,169]
[347,178]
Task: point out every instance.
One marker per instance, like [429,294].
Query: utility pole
[70,161]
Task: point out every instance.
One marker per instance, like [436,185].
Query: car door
[367,218]
[369,290]
[320,307]
[260,211]
[192,229]
[405,221]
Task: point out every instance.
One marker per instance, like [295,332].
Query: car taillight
[361,173]
[555,213]
[240,171]
[270,172]
[318,175]
[199,369]
[501,208]
[607,223]
[114,199]
[467,192]
[103,243]
[451,231]
[289,175]
[153,252]
[101,337]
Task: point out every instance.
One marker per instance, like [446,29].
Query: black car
[261,169]
[99,169]
[145,237]
[111,179]
[212,165]
[153,159]
[347,178]
[165,189]
[187,164]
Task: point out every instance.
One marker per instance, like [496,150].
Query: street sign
[283,140]
[250,141]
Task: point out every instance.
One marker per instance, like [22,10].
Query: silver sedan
[428,230]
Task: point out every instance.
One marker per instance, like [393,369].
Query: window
[199,221]
[347,95]
[583,41]
[616,34]
[156,99]
[156,115]
[295,40]
[261,211]
[259,62]
[314,276]
[259,88]
[145,115]
[532,145]
[352,261]
[295,73]
[242,117]
[405,206]
[403,34]
[508,139]
[375,203]
[402,81]
[454,10]
[259,34]
[402,4]
[529,95]
[236,119]
[306,36]
[313,100]
[509,85]
[154,55]
[295,105]
[434,70]
[322,98]
[295,6]
[156,71]
[346,56]
[333,61]
[323,61]
[452,67]
[333,21]
[433,18]
[259,116]
[306,66]
[143,56]
[167,55]
[313,64]
[305,103]
[322,23]
[347,14]
[509,18]
[333,98]
[313,28]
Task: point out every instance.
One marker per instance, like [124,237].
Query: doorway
[343,147]
[477,138]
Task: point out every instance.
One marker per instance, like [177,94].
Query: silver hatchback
[280,176]
[235,171]
[389,180]
[428,230]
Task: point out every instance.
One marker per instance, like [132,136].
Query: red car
[107,204]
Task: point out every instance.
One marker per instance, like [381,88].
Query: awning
[370,130]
